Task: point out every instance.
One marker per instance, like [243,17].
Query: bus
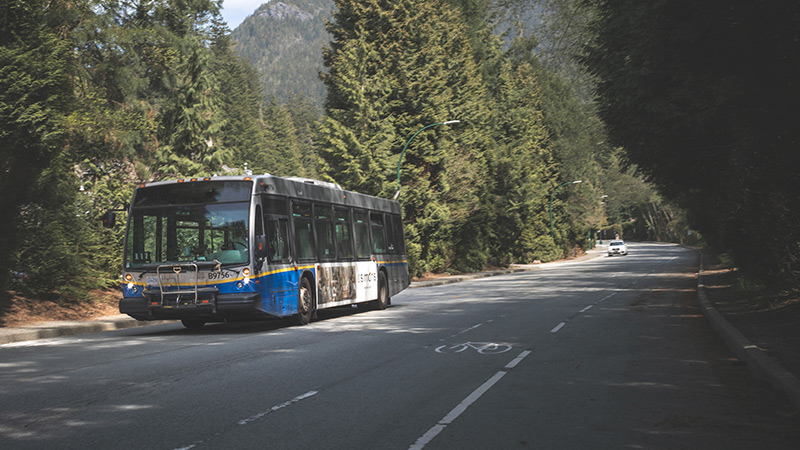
[236,248]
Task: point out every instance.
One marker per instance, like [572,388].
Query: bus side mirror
[261,247]
[109,219]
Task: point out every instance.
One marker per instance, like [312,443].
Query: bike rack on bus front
[176,270]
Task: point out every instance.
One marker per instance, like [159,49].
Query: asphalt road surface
[603,354]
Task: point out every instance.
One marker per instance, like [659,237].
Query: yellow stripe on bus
[284,269]
[263,274]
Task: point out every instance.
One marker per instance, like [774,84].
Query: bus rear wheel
[305,302]
[383,292]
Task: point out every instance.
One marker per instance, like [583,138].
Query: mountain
[284,40]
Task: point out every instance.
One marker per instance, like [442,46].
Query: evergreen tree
[524,169]
[283,156]
[356,136]
[147,72]
[394,68]
[716,133]
[36,94]
[306,117]
[60,254]
[575,135]
[191,126]
[95,96]
[242,106]
[520,164]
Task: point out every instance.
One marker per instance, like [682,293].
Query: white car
[617,248]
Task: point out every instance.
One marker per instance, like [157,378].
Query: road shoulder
[760,332]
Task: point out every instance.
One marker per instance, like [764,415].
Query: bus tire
[305,302]
[383,292]
[193,324]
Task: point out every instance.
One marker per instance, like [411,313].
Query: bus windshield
[162,232]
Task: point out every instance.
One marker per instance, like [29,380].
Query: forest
[97,96]
[704,98]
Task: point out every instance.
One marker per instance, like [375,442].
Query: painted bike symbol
[484,348]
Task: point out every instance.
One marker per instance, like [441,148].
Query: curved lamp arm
[400,161]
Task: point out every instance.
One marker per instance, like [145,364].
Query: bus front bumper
[218,307]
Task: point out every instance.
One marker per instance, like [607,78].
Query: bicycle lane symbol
[484,348]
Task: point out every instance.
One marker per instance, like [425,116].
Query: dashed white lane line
[608,296]
[258,416]
[470,328]
[518,359]
[277,407]
[562,324]
[426,438]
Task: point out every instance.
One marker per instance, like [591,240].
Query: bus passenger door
[280,279]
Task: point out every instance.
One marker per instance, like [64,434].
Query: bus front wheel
[305,302]
[193,324]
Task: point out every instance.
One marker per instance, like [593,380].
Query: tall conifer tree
[191,126]
[396,67]
[35,97]
[242,105]
[524,168]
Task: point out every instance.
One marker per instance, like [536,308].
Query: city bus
[234,248]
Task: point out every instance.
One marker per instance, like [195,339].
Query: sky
[235,11]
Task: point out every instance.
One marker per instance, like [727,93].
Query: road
[607,353]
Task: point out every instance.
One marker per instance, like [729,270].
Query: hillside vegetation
[97,96]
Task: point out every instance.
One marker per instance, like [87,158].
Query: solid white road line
[471,398]
[455,412]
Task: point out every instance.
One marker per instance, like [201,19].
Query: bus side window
[361,234]
[378,236]
[397,233]
[277,239]
[276,227]
[390,234]
[303,232]
[344,241]
[324,226]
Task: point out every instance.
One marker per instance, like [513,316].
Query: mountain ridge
[283,40]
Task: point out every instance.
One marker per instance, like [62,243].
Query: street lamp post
[599,236]
[589,232]
[551,203]
[400,161]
